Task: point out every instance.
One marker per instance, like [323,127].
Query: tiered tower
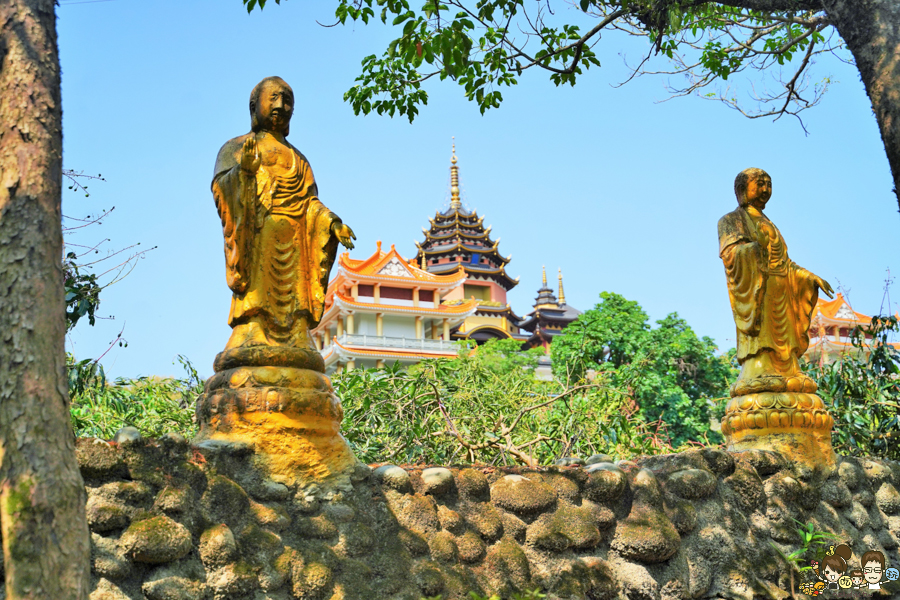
[457,237]
[550,316]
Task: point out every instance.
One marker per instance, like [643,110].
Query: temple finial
[544,269]
[562,294]
[423,261]
[454,179]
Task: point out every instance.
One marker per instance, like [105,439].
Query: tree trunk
[871,29]
[46,545]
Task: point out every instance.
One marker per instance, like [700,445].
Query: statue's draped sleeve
[744,270]
[235,199]
[805,297]
[772,298]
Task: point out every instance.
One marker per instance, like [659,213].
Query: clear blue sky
[620,191]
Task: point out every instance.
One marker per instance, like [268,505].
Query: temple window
[396,293]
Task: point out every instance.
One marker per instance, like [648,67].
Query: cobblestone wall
[171,521]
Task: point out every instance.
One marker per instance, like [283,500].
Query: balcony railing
[381,341]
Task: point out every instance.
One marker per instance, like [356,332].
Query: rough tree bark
[871,29]
[46,545]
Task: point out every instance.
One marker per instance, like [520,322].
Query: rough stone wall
[171,521]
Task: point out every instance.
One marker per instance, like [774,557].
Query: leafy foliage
[153,405]
[82,292]
[670,374]
[485,45]
[863,392]
[813,546]
[485,406]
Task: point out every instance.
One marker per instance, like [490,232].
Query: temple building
[384,309]
[550,316]
[457,239]
[830,328]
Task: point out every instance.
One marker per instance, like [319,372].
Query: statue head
[753,185]
[271,106]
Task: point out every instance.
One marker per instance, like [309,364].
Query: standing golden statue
[269,388]
[773,403]
[280,240]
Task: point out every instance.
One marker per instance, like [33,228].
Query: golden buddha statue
[269,387]
[280,240]
[773,404]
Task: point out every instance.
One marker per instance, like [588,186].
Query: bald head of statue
[271,106]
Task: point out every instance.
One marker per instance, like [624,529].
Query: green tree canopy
[670,373]
[485,45]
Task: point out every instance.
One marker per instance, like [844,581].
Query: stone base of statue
[794,423]
[279,401]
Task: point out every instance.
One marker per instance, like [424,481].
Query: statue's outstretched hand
[250,160]
[824,286]
[344,234]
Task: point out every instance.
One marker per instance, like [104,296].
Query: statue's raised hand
[824,286]
[250,160]
[344,234]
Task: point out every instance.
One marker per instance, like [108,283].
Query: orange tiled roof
[831,308]
[379,260]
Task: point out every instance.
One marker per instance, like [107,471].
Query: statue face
[276,105]
[759,191]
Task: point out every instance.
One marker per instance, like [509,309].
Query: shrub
[479,408]
[153,405]
[863,392]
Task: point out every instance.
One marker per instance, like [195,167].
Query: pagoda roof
[562,313]
[544,334]
[470,269]
[492,251]
[391,267]
[472,236]
[441,224]
[838,312]
[451,223]
[458,211]
[545,298]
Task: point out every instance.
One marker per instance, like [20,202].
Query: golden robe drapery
[279,245]
[772,298]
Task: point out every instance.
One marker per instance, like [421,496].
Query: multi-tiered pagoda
[550,316]
[457,237]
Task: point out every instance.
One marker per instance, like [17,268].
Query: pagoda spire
[545,297]
[562,294]
[454,179]
[458,236]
